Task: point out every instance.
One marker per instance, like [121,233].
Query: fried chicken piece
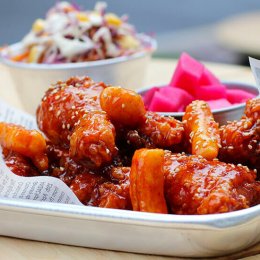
[62,166]
[240,140]
[84,185]
[115,193]
[194,185]
[162,132]
[29,143]
[124,107]
[65,104]
[70,115]
[252,109]
[93,138]
[99,191]
[19,164]
[140,128]
[201,130]
[106,187]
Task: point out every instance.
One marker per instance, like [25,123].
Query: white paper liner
[40,188]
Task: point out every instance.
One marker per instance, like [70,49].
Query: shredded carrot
[20,57]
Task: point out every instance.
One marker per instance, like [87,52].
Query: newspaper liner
[40,188]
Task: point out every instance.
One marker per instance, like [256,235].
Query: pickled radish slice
[218,103]
[179,96]
[192,80]
[212,92]
[187,73]
[160,103]
[208,78]
[148,96]
[238,96]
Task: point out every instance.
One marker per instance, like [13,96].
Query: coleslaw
[69,34]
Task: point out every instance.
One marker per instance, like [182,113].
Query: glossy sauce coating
[240,140]
[96,190]
[163,132]
[115,193]
[29,143]
[201,130]
[124,107]
[93,140]
[63,106]
[194,185]
[70,115]
[147,181]
[252,109]
[19,165]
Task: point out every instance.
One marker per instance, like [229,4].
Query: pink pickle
[238,96]
[160,103]
[187,74]
[147,98]
[211,92]
[208,78]
[179,96]
[218,103]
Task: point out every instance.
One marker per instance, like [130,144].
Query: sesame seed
[73,107]
[123,105]
[250,146]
